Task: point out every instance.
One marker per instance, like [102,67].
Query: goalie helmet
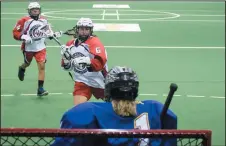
[121,83]
[34,5]
[84,22]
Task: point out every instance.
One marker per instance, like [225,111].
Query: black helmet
[121,83]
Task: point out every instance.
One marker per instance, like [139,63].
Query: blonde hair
[125,107]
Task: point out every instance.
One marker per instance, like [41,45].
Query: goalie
[30,30]
[122,111]
[86,60]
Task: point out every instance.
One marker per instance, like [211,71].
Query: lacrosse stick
[70,32]
[48,32]
[67,54]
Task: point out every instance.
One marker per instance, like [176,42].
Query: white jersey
[81,74]
[35,32]
[33,28]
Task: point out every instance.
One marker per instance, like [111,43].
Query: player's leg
[41,60]
[27,61]
[98,93]
[82,93]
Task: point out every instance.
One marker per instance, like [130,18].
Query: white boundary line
[28,94]
[6,13]
[103,14]
[217,97]
[194,96]
[152,9]
[191,15]
[128,20]
[142,94]
[147,47]
[222,2]
[92,14]
[172,15]
[117,14]
[7,95]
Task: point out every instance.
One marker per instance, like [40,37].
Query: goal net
[41,137]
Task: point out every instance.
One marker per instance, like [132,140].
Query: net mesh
[45,137]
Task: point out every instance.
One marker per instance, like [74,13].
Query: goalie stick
[173,89]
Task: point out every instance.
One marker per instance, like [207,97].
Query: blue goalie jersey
[100,115]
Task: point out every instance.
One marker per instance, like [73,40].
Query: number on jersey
[142,123]
[98,50]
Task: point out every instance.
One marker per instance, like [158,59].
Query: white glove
[48,30]
[58,34]
[65,52]
[49,34]
[81,61]
[27,39]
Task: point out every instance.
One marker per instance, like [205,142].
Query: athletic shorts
[39,56]
[87,91]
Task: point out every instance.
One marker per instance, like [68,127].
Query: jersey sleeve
[17,30]
[100,55]
[79,117]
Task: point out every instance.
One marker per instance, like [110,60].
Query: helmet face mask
[34,10]
[84,33]
[121,83]
[84,29]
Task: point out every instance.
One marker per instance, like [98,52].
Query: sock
[22,69]
[40,83]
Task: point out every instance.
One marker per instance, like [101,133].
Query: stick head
[173,87]
[70,32]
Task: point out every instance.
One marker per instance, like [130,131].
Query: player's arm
[66,63]
[76,119]
[100,56]
[65,141]
[18,29]
[49,31]
[59,141]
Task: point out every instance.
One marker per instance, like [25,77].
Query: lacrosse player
[86,59]
[32,30]
[121,111]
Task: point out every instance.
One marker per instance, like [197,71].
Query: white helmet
[86,22]
[34,5]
